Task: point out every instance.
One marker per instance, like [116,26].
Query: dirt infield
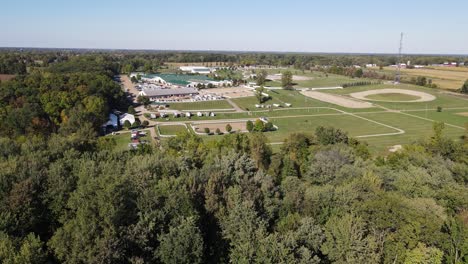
[423,97]
[236,126]
[336,99]
[463,114]
[230,92]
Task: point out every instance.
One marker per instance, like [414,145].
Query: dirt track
[336,99]
[423,97]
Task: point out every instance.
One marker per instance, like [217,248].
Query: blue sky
[294,25]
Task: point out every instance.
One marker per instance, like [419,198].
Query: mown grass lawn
[415,129]
[353,125]
[170,130]
[204,105]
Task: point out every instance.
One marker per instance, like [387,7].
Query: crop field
[383,126]
[445,77]
[204,105]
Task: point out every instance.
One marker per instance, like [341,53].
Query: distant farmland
[445,77]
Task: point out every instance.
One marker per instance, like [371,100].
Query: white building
[197,69]
[126,117]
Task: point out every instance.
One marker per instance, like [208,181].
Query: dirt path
[235,106]
[337,99]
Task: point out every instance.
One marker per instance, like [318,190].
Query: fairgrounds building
[169,94]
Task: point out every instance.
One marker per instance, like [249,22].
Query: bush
[439,109]
[207,130]
[218,131]
[269,126]
[131,110]
[127,124]
[145,123]
[249,126]
[259,126]
[228,128]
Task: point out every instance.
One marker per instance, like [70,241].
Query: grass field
[447,116]
[170,130]
[353,125]
[318,79]
[122,140]
[204,105]
[415,129]
[392,97]
[442,99]
[413,123]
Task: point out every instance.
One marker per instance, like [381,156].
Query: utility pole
[398,73]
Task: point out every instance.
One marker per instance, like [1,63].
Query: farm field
[170,130]
[204,105]
[445,77]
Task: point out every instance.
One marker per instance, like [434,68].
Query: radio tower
[398,73]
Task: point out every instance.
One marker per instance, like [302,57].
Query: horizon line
[236,51]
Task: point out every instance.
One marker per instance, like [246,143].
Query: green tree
[250,126]
[261,77]
[228,128]
[348,241]
[358,73]
[259,126]
[423,254]
[131,110]
[287,80]
[144,100]
[182,244]
[29,250]
[127,124]
[464,88]
[206,130]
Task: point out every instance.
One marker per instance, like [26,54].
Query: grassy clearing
[318,79]
[392,97]
[256,114]
[122,140]
[170,130]
[447,116]
[353,125]
[415,129]
[204,105]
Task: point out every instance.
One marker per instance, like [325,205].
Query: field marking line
[423,118]
[431,120]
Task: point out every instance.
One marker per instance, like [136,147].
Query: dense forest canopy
[67,197]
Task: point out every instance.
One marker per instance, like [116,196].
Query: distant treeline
[363,83]
[16,61]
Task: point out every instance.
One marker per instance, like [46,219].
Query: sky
[359,26]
